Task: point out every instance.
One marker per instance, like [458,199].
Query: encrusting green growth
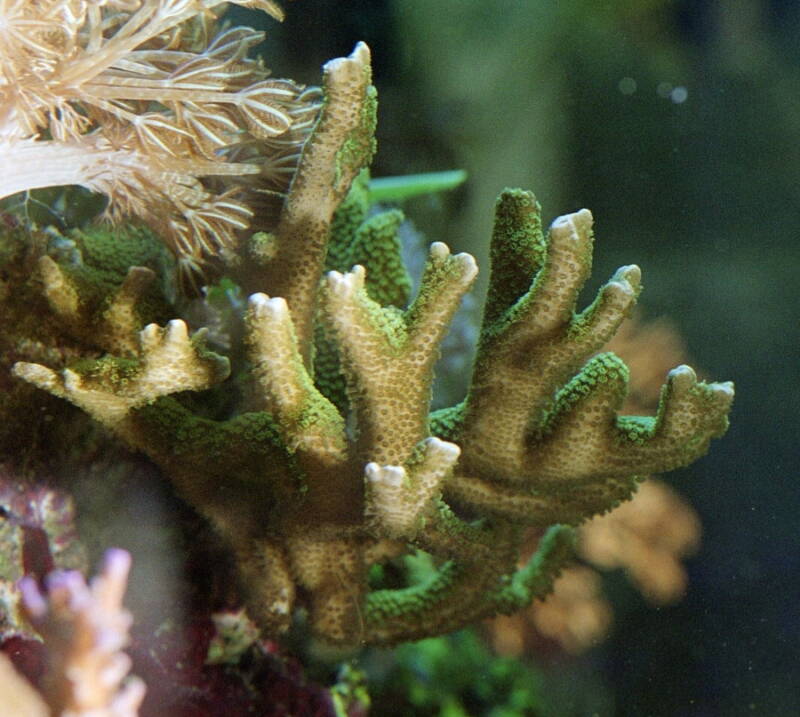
[338,467]
[113,290]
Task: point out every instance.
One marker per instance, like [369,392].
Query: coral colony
[147,103]
[334,483]
[85,628]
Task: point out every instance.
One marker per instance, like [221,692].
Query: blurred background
[677,122]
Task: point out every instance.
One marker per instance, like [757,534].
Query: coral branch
[691,413]
[535,446]
[308,421]
[341,145]
[168,362]
[387,356]
[398,498]
[84,629]
[460,592]
[116,327]
[536,343]
[338,491]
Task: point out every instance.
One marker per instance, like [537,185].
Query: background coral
[212,666]
[84,628]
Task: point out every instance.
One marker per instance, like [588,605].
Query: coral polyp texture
[153,105]
[335,487]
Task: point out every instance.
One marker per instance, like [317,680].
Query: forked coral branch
[339,474]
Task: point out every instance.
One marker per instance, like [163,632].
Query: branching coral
[84,628]
[339,471]
[648,536]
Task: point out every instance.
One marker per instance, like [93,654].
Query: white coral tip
[724,388]
[628,277]
[335,282]
[360,56]
[277,308]
[357,275]
[361,53]
[262,306]
[345,285]
[444,449]
[72,380]
[467,264]
[256,302]
[35,373]
[385,475]
[149,334]
[439,251]
[177,331]
[575,225]
[682,378]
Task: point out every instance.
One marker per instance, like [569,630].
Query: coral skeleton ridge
[337,483]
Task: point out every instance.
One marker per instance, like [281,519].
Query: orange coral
[575,615]
[646,536]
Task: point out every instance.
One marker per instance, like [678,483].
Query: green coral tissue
[333,482]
